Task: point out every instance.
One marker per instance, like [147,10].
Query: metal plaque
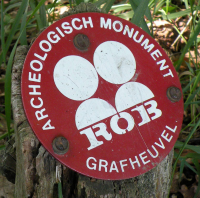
[102,96]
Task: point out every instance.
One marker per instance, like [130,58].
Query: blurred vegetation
[22,20]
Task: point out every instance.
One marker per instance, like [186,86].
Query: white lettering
[49,47]
[113,166]
[126,29]
[122,165]
[34,87]
[74,25]
[87,22]
[163,66]
[48,126]
[36,106]
[93,167]
[60,32]
[137,40]
[161,145]
[153,109]
[154,156]
[40,57]
[143,158]
[102,131]
[68,29]
[104,24]
[114,123]
[172,130]
[143,114]
[92,139]
[165,136]
[156,53]
[55,39]
[146,46]
[33,63]
[134,162]
[104,164]
[169,74]
[39,114]
[34,77]
[115,23]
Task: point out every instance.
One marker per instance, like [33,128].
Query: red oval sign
[112,93]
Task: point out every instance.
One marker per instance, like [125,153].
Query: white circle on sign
[92,111]
[131,94]
[75,77]
[114,62]
[115,119]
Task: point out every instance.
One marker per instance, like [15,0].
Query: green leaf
[35,10]
[2,33]
[37,16]
[145,27]
[2,147]
[78,2]
[15,24]
[176,15]
[197,80]
[179,145]
[190,155]
[10,7]
[191,97]
[183,147]
[139,12]
[53,5]
[159,6]
[188,45]
[169,9]
[119,8]
[23,39]
[190,167]
[148,14]
[6,134]
[43,16]
[108,5]
[99,2]
[70,3]
[8,88]
[191,3]
[12,2]
[189,67]
[8,72]
[167,6]
[181,167]
[196,163]
[187,87]
[60,195]
[196,102]
[134,4]
[126,15]
[186,4]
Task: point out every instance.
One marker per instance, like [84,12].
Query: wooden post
[38,173]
